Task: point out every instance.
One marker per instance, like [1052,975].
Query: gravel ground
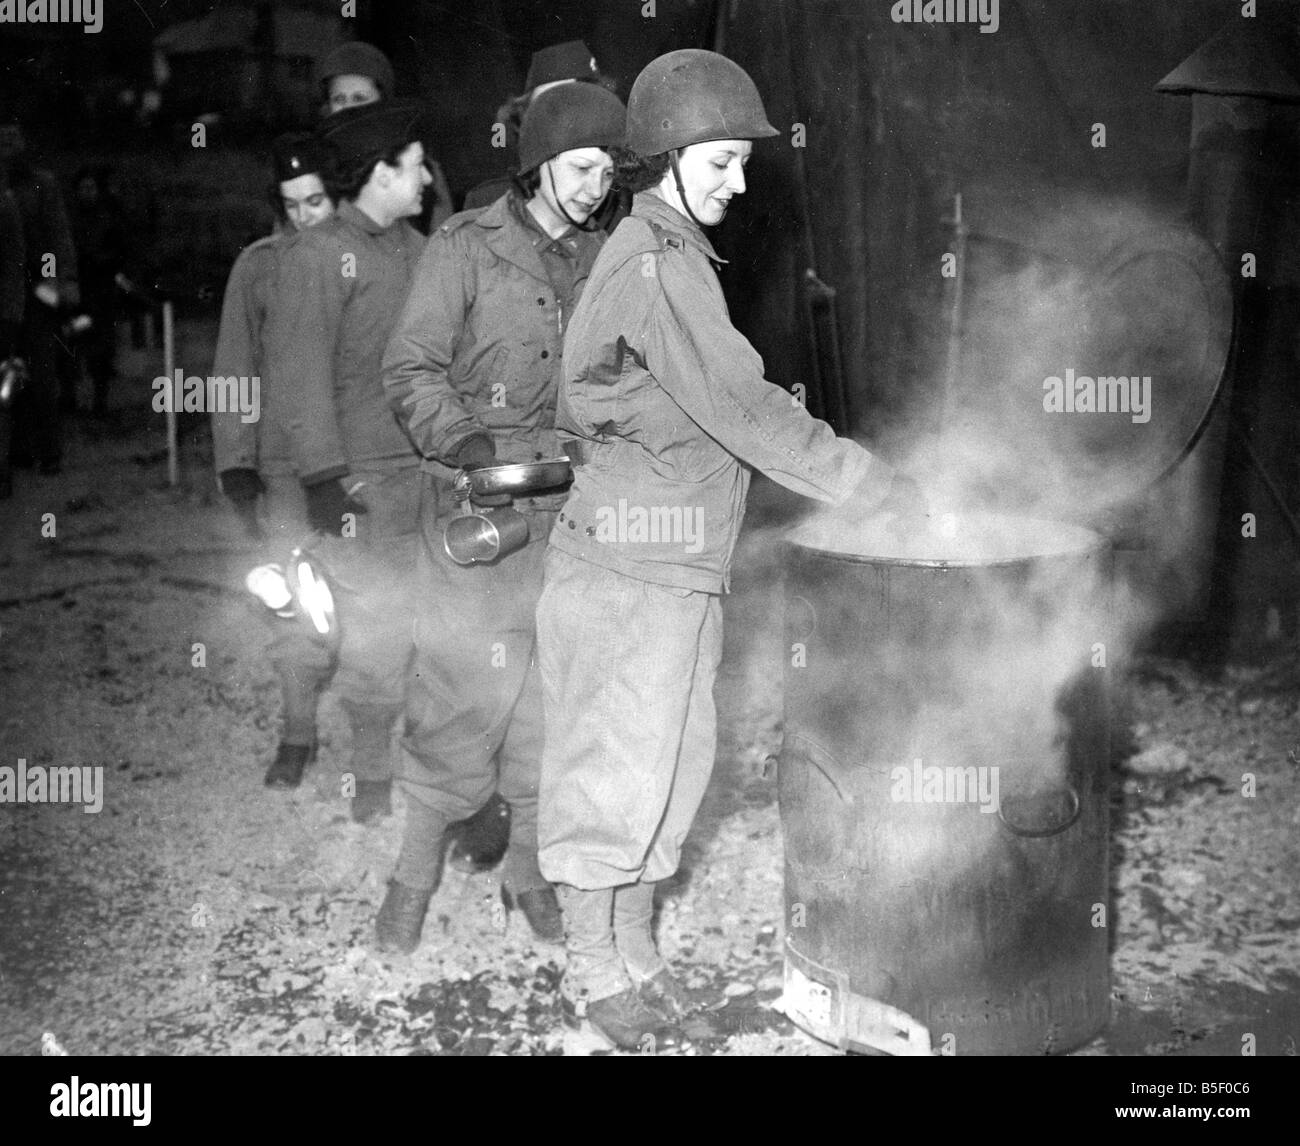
[199,913]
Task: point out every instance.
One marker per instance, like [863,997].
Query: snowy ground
[199,913]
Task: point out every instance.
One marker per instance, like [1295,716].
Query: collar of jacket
[349,212]
[509,239]
[654,210]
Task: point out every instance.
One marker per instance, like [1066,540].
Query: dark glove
[326,504]
[478,452]
[241,485]
[475,452]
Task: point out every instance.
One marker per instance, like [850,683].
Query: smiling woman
[668,412]
[471,371]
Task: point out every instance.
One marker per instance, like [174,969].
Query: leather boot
[629,1024]
[541,908]
[596,987]
[401,918]
[418,873]
[290,762]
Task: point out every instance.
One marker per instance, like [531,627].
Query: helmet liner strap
[590,224]
[681,191]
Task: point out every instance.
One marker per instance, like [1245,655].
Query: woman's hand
[476,453]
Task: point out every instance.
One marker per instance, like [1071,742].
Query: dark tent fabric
[900,118]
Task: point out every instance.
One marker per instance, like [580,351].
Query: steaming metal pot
[918,921]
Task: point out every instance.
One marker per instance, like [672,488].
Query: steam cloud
[1107,292]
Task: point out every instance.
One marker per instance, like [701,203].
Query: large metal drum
[943,786]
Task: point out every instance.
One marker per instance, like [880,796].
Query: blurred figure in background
[338,290]
[253,458]
[52,286]
[100,230]
[13,299]
[567,63]
[355,74]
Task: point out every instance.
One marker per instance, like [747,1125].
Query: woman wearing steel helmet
[668,412]
[471,371]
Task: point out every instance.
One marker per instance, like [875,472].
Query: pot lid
[1248,57]
[1084,380]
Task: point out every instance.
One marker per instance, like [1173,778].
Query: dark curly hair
[346,182]
[633,172]
[527,182]
[276,200]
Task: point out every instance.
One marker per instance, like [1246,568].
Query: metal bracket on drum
[818,999]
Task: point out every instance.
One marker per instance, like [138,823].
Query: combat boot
[599,996]
[541,908]
[290,762]
[401,918]
[418,873]
[629,1024]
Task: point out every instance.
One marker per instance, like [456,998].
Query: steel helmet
[692,96]
[356,58]
[570,116]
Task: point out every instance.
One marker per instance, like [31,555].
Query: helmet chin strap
[681,191]
[590,224]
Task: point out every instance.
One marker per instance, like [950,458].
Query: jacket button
[572,524]
[590,531]
[541,302]
[546,354]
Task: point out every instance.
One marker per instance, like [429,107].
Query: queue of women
[572,676]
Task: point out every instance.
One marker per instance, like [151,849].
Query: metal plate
[523,477]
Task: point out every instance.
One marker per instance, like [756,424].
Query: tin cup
[483,536]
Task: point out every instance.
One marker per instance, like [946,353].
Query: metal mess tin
[519,478]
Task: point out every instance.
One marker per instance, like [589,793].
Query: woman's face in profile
[711,174]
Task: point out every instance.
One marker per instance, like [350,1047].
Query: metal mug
[481,536]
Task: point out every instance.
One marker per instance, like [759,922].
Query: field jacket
[338,290]
[477,347]
[669,404]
